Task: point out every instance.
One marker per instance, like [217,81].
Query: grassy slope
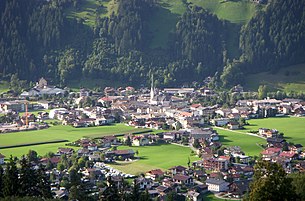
[4,86]
[236,11]
[249,144]
[89,9]
[286,79]
[56,133]
[292,127]
[158,156]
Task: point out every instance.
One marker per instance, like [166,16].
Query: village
[181,118]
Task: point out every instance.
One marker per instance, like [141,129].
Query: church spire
[152,88]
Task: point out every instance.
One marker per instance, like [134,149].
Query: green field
[157,156]
[87,10]
[286,79]
[236,11]
[56,133]
[249,144]
[292,127]
[4,86]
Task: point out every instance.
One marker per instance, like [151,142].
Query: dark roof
[214,181]
[2,156]
[180,177]
[179,168]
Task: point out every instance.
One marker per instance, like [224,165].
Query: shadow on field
[223,138]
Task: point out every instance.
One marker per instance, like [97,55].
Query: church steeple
[152,88]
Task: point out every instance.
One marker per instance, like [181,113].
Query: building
[217,185]
[1,159]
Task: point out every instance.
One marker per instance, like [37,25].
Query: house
[144,183]
[239,188]
[217,185]
[123,154]
[1,159]
[270,152]
[297,148]
[53,160]
[220,122]
[140,141]
[194,196]
[178,170]
[66,151]
[154,174]
[288,155]
[61,194]
[233,125]
[183,179]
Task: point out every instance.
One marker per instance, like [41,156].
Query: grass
[4,86]
[158,156]
[236,11]
[56,133]
[89,9]
[249,144]
[292,127]
[211,197]
[287,79]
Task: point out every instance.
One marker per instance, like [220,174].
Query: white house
[217,185]
[1,159]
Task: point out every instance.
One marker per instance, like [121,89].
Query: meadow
[56,133]
[161,156]
[292,127]
[290,78]
[249,144]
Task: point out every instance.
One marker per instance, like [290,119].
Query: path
[234,131]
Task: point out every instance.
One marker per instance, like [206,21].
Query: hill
[286,79]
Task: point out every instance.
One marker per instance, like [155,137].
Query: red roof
[195,105]
[287,154]
[156,172]
[270,151]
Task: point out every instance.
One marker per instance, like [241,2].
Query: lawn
[249,144]
[286,79]
[157,156]
[56,133]
[292,127]
[236,11]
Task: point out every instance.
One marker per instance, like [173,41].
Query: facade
[1,159]
[217,185]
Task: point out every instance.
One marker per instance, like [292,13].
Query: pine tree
[10,179]
[43,183]
[1,181]
[28,179]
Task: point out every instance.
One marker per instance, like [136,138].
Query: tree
[43,183]
[271,183]
[10,179]
[32,156]
[1,181]
[298,182]
[262,91]
[196,144]
[28,179]
[128,141]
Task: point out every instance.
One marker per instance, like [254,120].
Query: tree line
[37,39]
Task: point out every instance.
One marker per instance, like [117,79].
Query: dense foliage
[38,39]
[275,37]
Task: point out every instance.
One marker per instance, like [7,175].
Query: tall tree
[10,178]
[271,183]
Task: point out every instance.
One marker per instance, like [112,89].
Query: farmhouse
[183,179]
[140,141]
[1,159]
[154,174]
[124,154]
[233,125]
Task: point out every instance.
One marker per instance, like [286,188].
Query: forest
[37,39]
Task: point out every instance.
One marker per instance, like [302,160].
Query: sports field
[56,133]
[161,156]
